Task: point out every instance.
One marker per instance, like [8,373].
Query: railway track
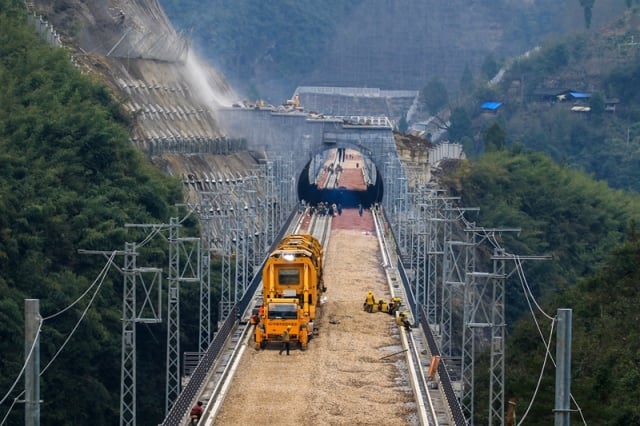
[221,381]
[414,349]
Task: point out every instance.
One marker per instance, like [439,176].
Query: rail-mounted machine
[291,286]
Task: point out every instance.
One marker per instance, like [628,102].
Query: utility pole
[32,359]
[563,369]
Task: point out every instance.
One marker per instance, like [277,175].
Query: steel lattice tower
[240,254]
[419,259]
[148,312]
[226,300]
[172,385]
[472,303]
[395,203]
[498,324]
[484,319]
[204,335]
[455,263]
[270,204]
[128,356]
[186,271]
[435,252]
[250,245]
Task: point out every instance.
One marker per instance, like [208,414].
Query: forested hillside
[599,133]
[267,49]
[69,180]
[605,346]
[590,233]
[564,202]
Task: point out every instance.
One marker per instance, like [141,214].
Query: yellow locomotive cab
[292,285]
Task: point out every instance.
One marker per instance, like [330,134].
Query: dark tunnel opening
[347,198]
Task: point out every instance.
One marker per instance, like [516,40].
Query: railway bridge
[243,211]
[433,247]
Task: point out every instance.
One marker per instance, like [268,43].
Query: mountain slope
[606,66]
[268,49]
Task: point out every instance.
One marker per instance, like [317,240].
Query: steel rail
[419,384]
[217,363]
[218,384]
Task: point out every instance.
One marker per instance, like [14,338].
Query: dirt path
[342,379]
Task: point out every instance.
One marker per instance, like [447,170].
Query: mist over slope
[268,49]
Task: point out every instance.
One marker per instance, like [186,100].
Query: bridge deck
[342,378]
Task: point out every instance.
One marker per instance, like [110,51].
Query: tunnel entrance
[340,180]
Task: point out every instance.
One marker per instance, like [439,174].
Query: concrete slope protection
[170,93]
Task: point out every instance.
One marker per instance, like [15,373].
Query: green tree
[434,96]
[460,125]
[403,125]
[605,371]
[587,7]
[69,180]
[494,137]
[489,67]
[596,103]
[531,191]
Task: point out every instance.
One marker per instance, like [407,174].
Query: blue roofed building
[580,95]
[491,106]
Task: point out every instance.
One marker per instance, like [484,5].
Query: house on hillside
[491,106]
[610,104]
[579,96]
[551,94]
[555,94]
[581,108]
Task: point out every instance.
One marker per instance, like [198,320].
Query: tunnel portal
[332,183]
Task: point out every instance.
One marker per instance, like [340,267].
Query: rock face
[414,154]
[172,95]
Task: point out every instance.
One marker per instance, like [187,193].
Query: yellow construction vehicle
[292,286]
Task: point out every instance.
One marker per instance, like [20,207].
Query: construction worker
[369,301]
[394,305]
[391,309]
[402,321]
[255,317]
[196,413]
[286,345]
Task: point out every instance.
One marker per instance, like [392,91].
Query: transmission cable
[86,309]
[528,297]
[102,274]
[41,320]
[544,363]
[526,288]
[24,366]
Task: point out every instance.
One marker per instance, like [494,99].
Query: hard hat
[288,327]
